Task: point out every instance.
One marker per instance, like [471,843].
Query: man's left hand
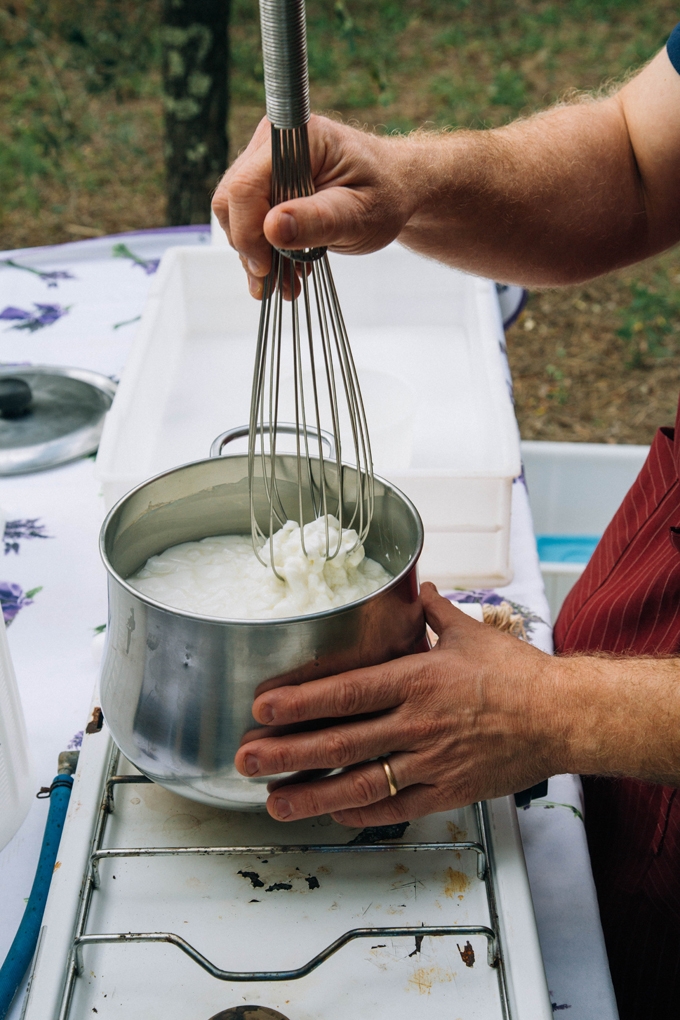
[475,717]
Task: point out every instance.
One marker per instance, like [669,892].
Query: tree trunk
[195,37]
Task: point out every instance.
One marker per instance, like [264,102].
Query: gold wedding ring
[389,775]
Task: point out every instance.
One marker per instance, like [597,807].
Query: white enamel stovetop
[262,911]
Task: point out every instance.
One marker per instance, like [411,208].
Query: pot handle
[286,428]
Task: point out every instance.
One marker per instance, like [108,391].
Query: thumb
[333,218]
[440,614]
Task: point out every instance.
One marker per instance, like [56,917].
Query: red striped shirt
[628,602]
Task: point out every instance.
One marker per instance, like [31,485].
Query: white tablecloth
[79,307]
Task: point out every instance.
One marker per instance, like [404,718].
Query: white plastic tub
[575,489]
[435,332]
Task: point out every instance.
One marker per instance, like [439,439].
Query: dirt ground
[571,368]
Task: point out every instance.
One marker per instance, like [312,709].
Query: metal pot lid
[50,415]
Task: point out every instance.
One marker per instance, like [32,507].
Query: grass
[81,151]
[81,125]
[651,320]
[599,363]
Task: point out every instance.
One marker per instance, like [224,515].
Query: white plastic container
[575,489]
[431,333]
[16,780]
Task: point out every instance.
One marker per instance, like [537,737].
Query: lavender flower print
[485,596]
[17,531]
[509,615]
[521,478]
[50,277]
[42,315]
[13,599]
[148,265]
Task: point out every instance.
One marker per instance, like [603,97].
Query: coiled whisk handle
[284,51]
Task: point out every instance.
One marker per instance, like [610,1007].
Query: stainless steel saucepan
[177,688]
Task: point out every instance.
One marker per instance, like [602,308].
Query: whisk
[305,336]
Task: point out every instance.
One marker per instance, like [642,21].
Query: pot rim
[266,621]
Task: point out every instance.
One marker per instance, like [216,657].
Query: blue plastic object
[22,949]
[566,548]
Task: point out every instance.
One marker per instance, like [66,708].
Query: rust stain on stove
[467,954]
[401,869]
[423,979]
[96,720]
[457,835]
[456,882]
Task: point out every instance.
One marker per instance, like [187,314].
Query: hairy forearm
[558,198]
[617,716]
[550,200]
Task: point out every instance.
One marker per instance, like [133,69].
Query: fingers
[334,218]
[334,748]
[290,277]
[255,283]
[357,788]
[359,205]
[260,732]
[413,802]
[241,203]
[307,776]
[442,615]
[356,693]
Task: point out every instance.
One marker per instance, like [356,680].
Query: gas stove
[165,909]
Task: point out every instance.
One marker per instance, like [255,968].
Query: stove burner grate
[75,966]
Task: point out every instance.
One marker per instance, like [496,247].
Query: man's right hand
[554,199]
[362,199]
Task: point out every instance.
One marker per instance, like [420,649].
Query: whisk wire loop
[309,342]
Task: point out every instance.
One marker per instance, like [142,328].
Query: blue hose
[22,949]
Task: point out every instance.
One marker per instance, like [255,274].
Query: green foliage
[38,122]
[508,88]
[361,50]
[557,391]
[55,54]
[113,43]
[651,321]
[393,63]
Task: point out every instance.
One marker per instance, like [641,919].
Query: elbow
[570,264]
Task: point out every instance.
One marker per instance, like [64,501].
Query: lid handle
[16,397]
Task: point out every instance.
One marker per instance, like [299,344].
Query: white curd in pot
[223,577]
